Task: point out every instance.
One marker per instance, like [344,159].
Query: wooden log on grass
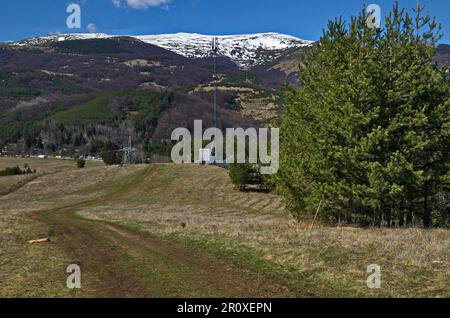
[44,240]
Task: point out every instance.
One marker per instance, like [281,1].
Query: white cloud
[92,28]
[142,4]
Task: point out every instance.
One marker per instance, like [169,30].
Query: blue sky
[305,19]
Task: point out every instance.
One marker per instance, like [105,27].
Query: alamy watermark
[231,149]
[74,279]
[74,19]
[374,16]
[374,279]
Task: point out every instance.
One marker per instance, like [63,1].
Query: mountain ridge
[245,50]
[93,91]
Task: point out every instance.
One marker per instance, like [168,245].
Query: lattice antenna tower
[127,156]
[215,50]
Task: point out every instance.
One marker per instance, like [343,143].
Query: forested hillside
[79,94]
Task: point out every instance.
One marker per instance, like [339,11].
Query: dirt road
[119,262]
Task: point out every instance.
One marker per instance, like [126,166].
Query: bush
[240,175]
[111,158]
[14,171]
[245,175]
[81,163]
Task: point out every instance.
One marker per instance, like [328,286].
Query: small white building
[205,156]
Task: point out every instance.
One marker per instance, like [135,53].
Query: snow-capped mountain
[41,40]
[245,50]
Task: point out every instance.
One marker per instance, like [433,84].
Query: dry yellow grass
[44,165]
[414,262]
[199,202]
[35,271]
[263,108]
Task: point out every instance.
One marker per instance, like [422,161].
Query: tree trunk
[409,215]
[388,216]
[401,216]
[426,211]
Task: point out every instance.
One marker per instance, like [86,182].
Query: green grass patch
[305,284]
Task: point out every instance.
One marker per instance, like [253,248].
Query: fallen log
[44,240]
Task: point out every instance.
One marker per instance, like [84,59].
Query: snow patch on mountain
[245,50]
[61,37]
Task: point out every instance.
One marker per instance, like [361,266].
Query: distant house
[205,156]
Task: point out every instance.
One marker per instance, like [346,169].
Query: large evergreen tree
[367,133]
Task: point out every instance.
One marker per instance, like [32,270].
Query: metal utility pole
[215,48]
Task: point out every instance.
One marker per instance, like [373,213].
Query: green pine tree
[367,133]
